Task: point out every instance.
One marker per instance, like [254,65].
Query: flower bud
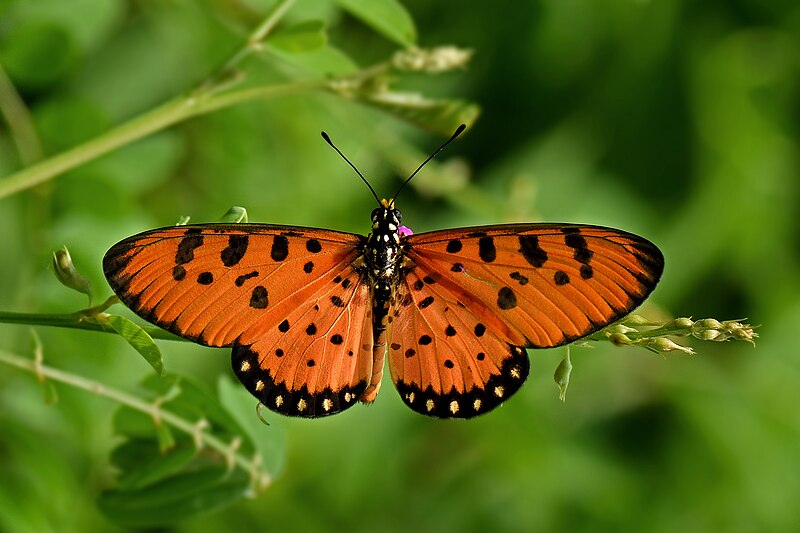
[432,61]
[681,322]
[708,323]
[68,275]
[561,376]
[665,345]
[619,339]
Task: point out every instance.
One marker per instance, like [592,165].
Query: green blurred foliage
[676,120]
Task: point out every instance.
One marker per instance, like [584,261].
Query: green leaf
[37,54]
[270,441]
[187,399]
[235,215]
[175,498]
[139,339]
[387,17]
[142,462]
[325,61]
[303,37]
[437,116]
[160,486]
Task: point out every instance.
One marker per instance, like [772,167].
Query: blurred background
[673,119]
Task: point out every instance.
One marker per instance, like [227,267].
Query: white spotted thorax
[384,250]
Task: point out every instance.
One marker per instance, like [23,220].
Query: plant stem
[156,412]
[253,40]
[198,101]
[79,320]
[157,119]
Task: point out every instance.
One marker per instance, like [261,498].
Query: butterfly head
[386,216]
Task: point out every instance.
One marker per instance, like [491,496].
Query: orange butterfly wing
[288,300]
[473,298]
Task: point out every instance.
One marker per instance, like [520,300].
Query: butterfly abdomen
[383,255]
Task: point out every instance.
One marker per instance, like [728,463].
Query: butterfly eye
[397,215]
[374,215]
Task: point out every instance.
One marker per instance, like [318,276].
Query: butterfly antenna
[329,141]
[458,132]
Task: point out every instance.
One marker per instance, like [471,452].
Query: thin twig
[154,410]
[19,122]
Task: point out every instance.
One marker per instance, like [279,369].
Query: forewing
[216,284]
[541,285]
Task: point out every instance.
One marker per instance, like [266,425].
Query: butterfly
[312,314]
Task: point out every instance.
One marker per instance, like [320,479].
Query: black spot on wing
[561,277]
[259,299]
[178,273]
[240,280]
[313,246]
[237,247]
[519,278]
[531,251]
[205,278]
[426,302]
[506,299]
[191,241]
[486,249]
[280,248]
[577,242]
[454,246]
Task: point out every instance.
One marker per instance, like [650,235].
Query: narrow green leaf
[437,116]
[235,215]
[49,392]
[303,37]
[166,440]
[138,338]
[176,498]
[142,463]
[387,17]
